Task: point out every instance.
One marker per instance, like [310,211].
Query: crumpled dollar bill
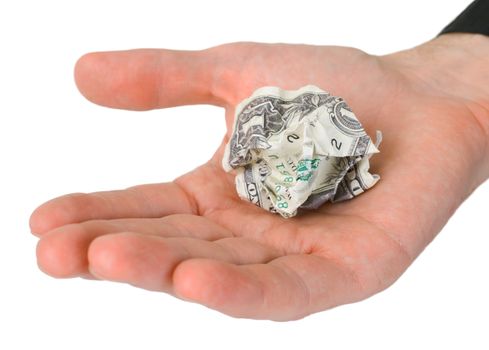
[298,149]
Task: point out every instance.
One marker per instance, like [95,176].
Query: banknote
[298,149]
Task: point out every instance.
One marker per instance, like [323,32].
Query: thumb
[148,78]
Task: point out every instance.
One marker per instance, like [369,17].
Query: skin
[195,239]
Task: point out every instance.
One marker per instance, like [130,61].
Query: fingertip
[118,79]
[83,72]
[191,279]
[89,73]
[45,218]
[216,284]
[58,255]
[54,213]
[104,253]
[118,257]
[36,223]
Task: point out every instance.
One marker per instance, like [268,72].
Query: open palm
[194,238]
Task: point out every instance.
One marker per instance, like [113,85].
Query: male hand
[194,238]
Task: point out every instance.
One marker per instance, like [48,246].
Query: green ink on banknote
[305,168]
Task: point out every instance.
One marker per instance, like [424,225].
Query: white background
[52,142]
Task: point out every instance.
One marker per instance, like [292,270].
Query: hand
[194,238]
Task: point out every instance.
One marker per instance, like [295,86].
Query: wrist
[451,64]
[467,59]
[453,67]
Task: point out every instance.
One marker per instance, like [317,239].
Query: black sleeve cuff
[474,19]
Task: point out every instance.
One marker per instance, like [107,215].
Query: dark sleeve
[474,19]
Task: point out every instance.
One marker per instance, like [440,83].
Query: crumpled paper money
[298,149]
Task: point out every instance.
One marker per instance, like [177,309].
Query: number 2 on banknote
[334,143]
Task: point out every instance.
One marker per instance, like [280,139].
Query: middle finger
[62,252]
